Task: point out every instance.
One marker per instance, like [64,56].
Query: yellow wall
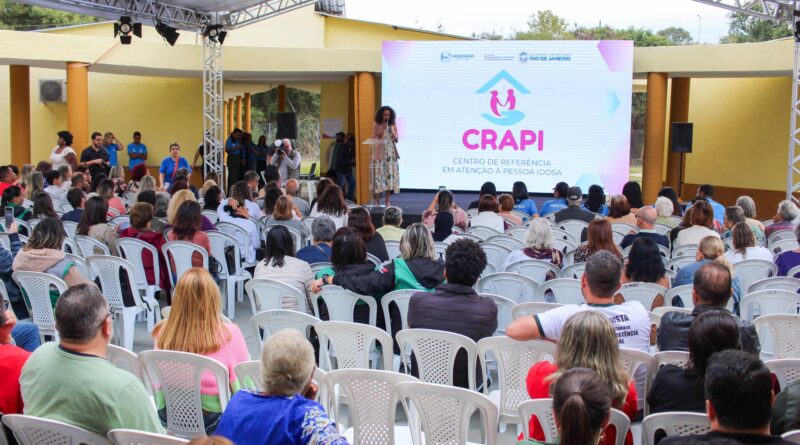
[340,33]
[333,104]
[741,132]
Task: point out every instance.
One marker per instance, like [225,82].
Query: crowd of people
[60,379]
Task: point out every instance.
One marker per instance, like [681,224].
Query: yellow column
[246,112]
[78,104]
[654,131]
[19,77]
[281,97]
[238,111]
[678,112]
[364,101]
[225,123]
[230,117]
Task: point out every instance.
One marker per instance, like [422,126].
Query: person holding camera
[95,157]
[288,160]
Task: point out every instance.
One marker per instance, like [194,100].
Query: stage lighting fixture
[125,27]
[169,33]
[216,33]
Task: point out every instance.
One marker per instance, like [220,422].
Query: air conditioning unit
[53,90]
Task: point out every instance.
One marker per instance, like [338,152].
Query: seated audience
[285,411]
[540,246]
[322,230]
[322,184]
[582,405]
[235,211]
[710,250]
[195,325]
[107,190]
[711,291]
[784,219]
[784,410]
[735,215]
[34,185]
[644,265]
[212,198]
[148,182]
[55,188]
[790,258]
[619,211]
[361,222]
[680,388]
[12,290]
[559,200]
[160,208]
[749,208]
[646,222]
[599,284]
[442,202]
[664,210]
[488,188]
[706,192]
[744,245]
[43,206]
[175,202]
[7,178]
[505,204]
[596,201]
[598,237]
[251,179]
[271,194]
[12,197]
[392,220]
[79,181]
[293,192]
[12,359]
[443,227]
[332,204]
[701,220]
[738,392]
[71,381]
[77,199]
[588,341]
[284,215]
[137,173]
[280,264]
[187,228]
[65,171]
[141,215]
[574,210]
[94,224]
[455,306]
[487,215]
[522,200]
[632,192]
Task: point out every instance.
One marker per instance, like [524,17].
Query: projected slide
[536,111]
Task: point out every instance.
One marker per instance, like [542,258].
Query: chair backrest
[316,267]
[91,246]
[532,308]
[70,227]
[81,265]
[514,359]
[179,257]
[107,270]
[36,286]
[341,303]
[393,248]
[240,234]
[769,302]
[374,260]
[352,344]
[372,400]
[135,437]
[783,245]
[124,359]
[561,234]
[266,294]
[794,272]
[662,229]
[436,351]
[574,271]
[673,424]
[632,359]
[178,375]
[565,290]
[249,374]
[676,262]
[401,298]
[519,288]
[750,271]
[309,221]
[786,283]
[519,233]
[123,220]
[219,241]
[660,311]
[785,332]
[504,314]
[543,410]
[644,293]
[482,232]
[269,322]
[496,254]
[792,436]
[132,249]
[780,235]
[31,430]
[686,249]
[445,411]
[684,293]
[441,249]
[564,245]
[677,358]
[297,236]
[786,370]
[506,241]
[211,215]
[537,270]
[574,227]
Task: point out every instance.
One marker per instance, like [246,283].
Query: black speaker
[681,137]
[287,125]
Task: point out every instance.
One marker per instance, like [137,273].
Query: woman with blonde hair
[710,248]
[35,184]
[175,202]
[587,341]
[285,410]
[195,325]
[147,182]
[540,246]
[284,214]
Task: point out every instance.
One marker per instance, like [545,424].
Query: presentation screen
[534,111]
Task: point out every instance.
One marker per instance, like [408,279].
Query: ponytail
[576,422]
[582,405]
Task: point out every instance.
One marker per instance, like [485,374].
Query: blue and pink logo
[503,113]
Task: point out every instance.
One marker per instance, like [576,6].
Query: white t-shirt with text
[630,320]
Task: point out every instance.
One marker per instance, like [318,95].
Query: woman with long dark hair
[522,200]
[332,204]
[360,220]
[281,264]
[598,237]
[644,265]
[670,194]
[443,202]
[188,227]
[43,206]
[596,200]
[94,224]
[633,192]
[386,176]
[582,406]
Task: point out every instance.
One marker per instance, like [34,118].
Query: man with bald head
[646,222]
[293,191]
[288,160]
[711,292]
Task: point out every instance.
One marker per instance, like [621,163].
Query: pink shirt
[117,204]
[230,354]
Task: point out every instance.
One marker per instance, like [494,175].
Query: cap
[574,194]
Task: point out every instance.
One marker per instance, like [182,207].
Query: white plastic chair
[780,235]
[792,436]
[574,271]
[441,249]
[685,250]
[683,292]
[506,241]
[120,221]
[750,271]
[655,317]
[36,286]
[542,409]
[786,370]
[341,303]
[564,245]
[785,283]
[660,311]
[266,294]
[22,224]
[561,234]
[240,235]
[234,280]
[401,298]
[134,437]
[269,322]
[70,246]
[769,302]
[316,267]
[518,233]
[537,270]
[482,232]
[783,245]
[125,359]
[211,215]
[30,430]
[353,344]
[133,249]
[248,374]
[70,227]
[107,269]
[676,262]
[784,331]
[374,260]
[514,360]
[574,227]
[532,308]
[179,258]
[393,249]
[372,402]
[644,293]
[90,246]
[504,314]
[496,254]
[662,229]
[632,359]
[674,424]
[177,375]
[677,358]
[516,287]
[445,412]
[435,353]
[565,290]
[793,272]
[81,265]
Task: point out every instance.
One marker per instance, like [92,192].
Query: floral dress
[386,174]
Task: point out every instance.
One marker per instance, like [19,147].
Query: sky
[463,17]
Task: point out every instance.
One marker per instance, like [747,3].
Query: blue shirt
[168,168]
[527,206]
[318,253]
[251,419]
[686,276]
[138,149]
[112,150]
[553,205]
[232,147]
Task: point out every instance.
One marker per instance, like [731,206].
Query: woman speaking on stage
[386,177]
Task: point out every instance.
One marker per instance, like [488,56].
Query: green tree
[676,35]
[17,16]
[545,25]
[746,28]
